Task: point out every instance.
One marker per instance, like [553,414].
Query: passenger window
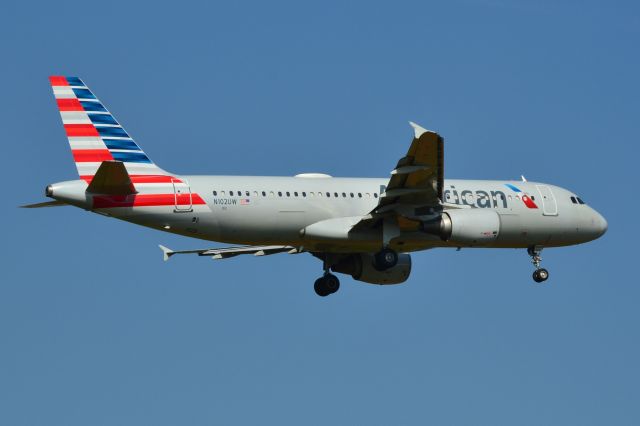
[295,194]
[344,195]
[288,194]
[311,194]
[319,194]
[247,193]
[375,195]
[264,194]
[367,195]
[279,194]
[231,193]
[328,194]
[359,194]
[215,193]
[271,194]
[222,193]
[304,194]
[351,193]
[335,194]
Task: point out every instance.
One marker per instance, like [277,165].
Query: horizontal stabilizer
[111,178]
[54,203]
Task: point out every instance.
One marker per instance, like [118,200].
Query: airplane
[362,227]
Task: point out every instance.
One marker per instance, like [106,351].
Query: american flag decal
[245,201]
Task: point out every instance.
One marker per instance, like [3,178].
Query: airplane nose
[599,223]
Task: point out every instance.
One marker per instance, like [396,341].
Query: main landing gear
[326,284]
[540,274]
[385,259]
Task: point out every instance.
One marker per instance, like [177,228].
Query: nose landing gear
[540,274]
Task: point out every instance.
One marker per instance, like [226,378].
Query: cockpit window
[573,200]
[579,200]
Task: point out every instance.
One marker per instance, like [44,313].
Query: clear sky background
[96,330]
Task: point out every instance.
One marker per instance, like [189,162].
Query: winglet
[417,129]
[166,252]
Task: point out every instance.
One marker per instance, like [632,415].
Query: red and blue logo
[524,197]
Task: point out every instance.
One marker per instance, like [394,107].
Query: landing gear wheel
[332,283]
[320,288]
[326,285]
[385,259]
[540,275]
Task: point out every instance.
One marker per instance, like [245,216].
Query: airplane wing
[226,252]
[415,188]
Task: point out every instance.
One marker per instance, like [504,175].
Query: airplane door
[549,204]
[182,196]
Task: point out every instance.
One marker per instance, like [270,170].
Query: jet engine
[465,226]
[360,267]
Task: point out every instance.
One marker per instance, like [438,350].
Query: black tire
[385,259]
[331,283]
[543,274]
[540,275]
[320,287]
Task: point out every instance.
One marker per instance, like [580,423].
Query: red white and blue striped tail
[95,135]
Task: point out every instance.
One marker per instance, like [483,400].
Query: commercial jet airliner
[361,227]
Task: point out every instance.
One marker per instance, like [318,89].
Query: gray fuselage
[275,210]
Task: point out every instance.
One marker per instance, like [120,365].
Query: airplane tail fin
[94,134]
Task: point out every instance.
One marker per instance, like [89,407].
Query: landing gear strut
[328,283]
[540,274]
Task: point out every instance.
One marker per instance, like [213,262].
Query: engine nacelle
[466,226]
[360,267]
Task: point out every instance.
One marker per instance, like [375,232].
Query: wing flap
[227,252]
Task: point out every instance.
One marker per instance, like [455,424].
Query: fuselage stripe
[142,179]
[145,200]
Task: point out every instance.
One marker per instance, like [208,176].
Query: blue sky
[96,329]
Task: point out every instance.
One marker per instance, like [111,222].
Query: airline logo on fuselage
[524,197]
[486,199]
[481,199]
